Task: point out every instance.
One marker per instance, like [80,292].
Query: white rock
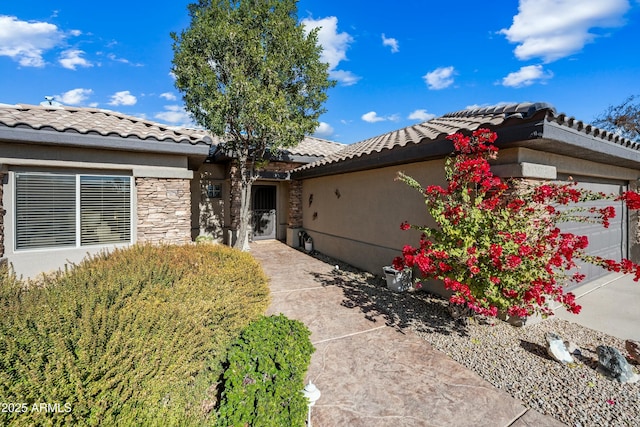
[557,350]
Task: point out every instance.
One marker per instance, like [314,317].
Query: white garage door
[609,243]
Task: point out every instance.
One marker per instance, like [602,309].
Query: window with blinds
[105,210]
[45,210]
[54,210]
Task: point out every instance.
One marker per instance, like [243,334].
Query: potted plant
[306,240]
[308,243]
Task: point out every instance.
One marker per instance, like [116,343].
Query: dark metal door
[264,212]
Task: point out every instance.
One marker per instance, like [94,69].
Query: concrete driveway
[610,305]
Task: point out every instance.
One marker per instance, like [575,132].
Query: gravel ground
[513,359]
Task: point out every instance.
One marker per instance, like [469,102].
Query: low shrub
[264,375]
[135,337]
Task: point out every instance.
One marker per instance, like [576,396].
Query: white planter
[308,246]
[397,281]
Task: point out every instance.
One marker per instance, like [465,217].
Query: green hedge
[136,337]
[264,375]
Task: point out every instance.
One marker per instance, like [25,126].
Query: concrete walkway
[375,375]
[610,305]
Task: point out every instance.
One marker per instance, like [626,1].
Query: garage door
[610,243]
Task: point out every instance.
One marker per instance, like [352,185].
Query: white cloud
[440,78]
[554,29]
[26,42]
[334,46]
[175,114]
[123,98]
[391,42]
[112,57]
[324,130]
[346,78]
[421,115]
[373,117]
[526,76]
[72,58]
[168,96]
[74,96]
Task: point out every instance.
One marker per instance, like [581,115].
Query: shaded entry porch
[264,218]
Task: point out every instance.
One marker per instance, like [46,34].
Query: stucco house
[80,180]
[353,205]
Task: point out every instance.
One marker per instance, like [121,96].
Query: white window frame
[78,211]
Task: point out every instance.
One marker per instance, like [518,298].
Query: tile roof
[91,121]
[466,121]
[315,147]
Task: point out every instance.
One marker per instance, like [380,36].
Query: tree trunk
[244,223]
[245,176]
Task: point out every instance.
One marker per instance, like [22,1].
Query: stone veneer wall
[2,212]
[164,210]
[295,204]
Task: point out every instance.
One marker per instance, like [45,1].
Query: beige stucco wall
[361,226]
[356,217]
[143,167]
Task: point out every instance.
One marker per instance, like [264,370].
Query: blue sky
[396,63]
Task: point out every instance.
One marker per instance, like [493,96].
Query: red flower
[631,198]
[525,250]
[516,204]
[509,293]
[513,261]
[405,226]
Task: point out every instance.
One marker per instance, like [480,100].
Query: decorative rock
[613,364]
[633,347]
[573,348]
[557,349]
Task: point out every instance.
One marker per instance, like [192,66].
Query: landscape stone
[573,348]
[633,347]
[613,364]
[557,349]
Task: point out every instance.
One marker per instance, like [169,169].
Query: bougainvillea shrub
[497,245]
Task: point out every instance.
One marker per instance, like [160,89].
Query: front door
[264,212]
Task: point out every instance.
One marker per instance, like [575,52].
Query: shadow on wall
[211,209]
[368,293]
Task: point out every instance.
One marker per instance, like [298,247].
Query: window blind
[51,208]
[45,210]
[105,206]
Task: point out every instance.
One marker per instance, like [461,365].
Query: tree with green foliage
[251,75]
[623,118]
